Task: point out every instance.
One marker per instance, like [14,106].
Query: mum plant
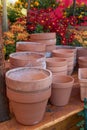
[50,20]
[16,33]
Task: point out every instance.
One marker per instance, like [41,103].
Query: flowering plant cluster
[80,11]
[49,20]
[17,33]
[80,35]
[44,4]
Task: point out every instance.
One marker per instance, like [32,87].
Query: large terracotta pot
[30,59]
[30,46]
[61,89]
[28,90]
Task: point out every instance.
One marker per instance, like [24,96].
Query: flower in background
[17,32]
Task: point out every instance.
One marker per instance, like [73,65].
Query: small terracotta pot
[30,46]
[30,59]
[28,90]
[82,76]
[61,89]
[55,62]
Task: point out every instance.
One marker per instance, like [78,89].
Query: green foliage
[40,4]
[9,49]
[13,14]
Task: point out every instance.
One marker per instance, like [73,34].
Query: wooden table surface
[53,114]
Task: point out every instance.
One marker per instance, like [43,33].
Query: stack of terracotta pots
[74,49]
[47,39]
[82,62]
[28,90]
[30,59]
[57,65]
[68,55]
[30,46]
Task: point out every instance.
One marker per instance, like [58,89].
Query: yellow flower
[31,5]
[54,5]
[22,36]
[36,3]
[82,12]
[80,16]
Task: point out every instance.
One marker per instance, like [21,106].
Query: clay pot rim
[22,68]
[66,76]
[82,58]
[80,75]
[29,43]
[12,55]
[55,59]
[65,50]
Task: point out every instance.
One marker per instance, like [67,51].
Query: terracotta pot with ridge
[28,90]
[61,89]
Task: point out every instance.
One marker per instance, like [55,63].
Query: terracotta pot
[30,46]
[81,51]
[57,69]
[61,89]
[82,61]
[28,79]
[40,36]
[74,49]
[66,54]
[55,62]
[63,52]
[28,90]
[30,59]
[82,76]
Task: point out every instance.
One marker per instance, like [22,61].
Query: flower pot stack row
[82,71]
[30,84]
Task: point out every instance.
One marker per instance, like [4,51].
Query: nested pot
[82,62]
[81,51]
[68,55]
[30,46]
[61,89]
[28,90]
[30,59]
[82,76]
[71,48]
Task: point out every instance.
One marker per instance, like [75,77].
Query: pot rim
[22,68]
[26,52]
[72,79]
